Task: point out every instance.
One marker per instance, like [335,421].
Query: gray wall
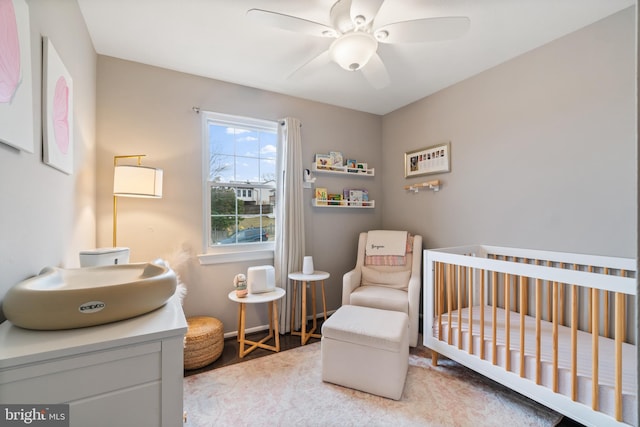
[47,217]
[543,150]
[144,109]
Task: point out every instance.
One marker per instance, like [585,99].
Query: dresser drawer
[81,376]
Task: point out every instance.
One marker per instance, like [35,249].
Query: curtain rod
[197,110]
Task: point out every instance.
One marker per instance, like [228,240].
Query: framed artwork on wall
[16,87]
[427,161]
[57,110]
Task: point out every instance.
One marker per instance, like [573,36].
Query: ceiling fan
[356,34]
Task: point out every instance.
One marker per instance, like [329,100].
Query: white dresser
[127,373]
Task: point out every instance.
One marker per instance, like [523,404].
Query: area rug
[286,389]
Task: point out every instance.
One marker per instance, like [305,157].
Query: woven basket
[204,341]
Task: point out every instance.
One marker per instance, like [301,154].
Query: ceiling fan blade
[290,23]
[311,66]
[364,9]
[376,73]
[423,30]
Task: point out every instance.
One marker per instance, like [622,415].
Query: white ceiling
[215,39]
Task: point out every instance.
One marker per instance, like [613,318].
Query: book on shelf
[334,199]
[323,161]
[321,196]
[356,197]
[337,160]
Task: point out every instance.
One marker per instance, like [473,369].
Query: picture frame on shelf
[428,161]
[351,164]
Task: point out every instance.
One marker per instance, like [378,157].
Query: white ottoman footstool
[366,349]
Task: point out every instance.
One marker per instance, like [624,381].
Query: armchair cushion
[398,279]
[381,297]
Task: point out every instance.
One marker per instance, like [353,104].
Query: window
[240,187]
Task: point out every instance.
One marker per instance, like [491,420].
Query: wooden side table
[300,278]
[268,297]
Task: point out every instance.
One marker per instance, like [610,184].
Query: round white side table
[298,278]
[266,297]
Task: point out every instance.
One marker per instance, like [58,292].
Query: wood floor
[230,356]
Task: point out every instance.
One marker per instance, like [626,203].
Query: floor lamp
[134,181]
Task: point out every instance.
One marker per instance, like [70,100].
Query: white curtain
[290,244]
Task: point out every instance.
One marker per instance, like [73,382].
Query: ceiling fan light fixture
[353,50]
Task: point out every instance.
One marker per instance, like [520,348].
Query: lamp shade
[353,50]
[137,181]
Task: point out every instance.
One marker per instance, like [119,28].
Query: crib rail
[581,293]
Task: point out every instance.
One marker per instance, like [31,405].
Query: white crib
[524,318]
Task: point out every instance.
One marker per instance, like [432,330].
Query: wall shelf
[346,172]
[343,204]
[343,170]
[429,185]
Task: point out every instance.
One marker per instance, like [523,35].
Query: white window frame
[235,252]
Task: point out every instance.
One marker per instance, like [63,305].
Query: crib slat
[605,307]
[470,305]
[589,328]
[439,296]
[439,301]
[623,313]
[522,320]
[574,342]
[507,322]
[482,304]
[549,296]
[460,293]
[561,303]
[525,308]
[595,327]
[449,301]
[619,336]
[494,316]
[538,327]
[555,337]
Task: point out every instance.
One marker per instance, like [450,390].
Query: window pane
[221,168]
[247,169]
[267,171]
[223,201]
[221,139]
[247,143]
[222,227]
[268,144]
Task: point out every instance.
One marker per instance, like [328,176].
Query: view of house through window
[242,179]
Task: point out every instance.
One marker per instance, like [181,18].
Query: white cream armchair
[387,287]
